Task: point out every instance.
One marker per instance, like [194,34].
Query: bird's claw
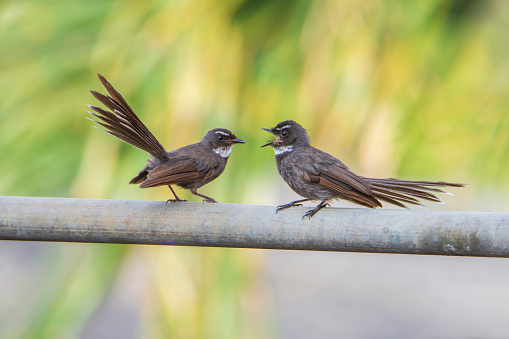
[282,207]
[312,212]
[309,214]
[175,200]
[210,200]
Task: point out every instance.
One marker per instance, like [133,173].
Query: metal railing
[248,226]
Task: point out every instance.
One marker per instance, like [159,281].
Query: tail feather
[416,183]
[416,188]
[389,200]
[418,192]
[394,195]
[399,191]
[123,123]
[131,120]
[123,107]
[110,122]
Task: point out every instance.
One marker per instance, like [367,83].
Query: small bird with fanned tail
[189,167]
[316,175]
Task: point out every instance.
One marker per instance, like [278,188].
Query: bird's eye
[284,134]
[220,138]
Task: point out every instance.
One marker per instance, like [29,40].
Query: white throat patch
[223,151]
[282,149]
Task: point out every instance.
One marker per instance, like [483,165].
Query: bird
[189,167]
[318,176]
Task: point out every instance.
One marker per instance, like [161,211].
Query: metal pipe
[247,226]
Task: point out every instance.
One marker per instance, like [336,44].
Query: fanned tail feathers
[123,123]
[400,192]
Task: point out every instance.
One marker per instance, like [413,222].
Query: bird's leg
[207,199]
[312,212]
[290,204]
[177,199]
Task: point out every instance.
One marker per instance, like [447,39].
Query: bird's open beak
[270,131]
[237,141]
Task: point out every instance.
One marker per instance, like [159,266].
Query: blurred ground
[351,295]
[312,294]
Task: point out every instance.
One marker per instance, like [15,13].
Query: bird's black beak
[270,131]
[237,141]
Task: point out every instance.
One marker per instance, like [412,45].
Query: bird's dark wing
[323,170]
[180,170]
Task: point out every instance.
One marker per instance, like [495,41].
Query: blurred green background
[413,89]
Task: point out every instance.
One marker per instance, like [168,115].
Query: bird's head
[221,141]
[289,134]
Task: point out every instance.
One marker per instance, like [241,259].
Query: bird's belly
[196,184]
[188,185]
[293,178]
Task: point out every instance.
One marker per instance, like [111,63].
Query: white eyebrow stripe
[223,133]
[284,127]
